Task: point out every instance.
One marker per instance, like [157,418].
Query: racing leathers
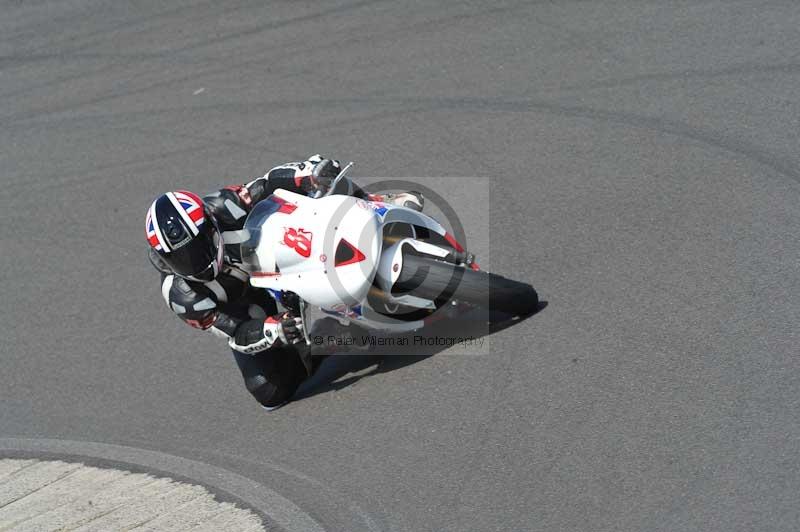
[261,337]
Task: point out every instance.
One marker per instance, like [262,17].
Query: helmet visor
[196,255]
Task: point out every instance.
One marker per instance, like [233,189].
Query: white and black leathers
[228,306]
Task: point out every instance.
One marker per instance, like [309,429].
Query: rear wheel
[433,279]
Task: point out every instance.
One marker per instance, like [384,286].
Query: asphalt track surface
[645,178]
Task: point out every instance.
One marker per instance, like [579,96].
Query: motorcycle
[385,267]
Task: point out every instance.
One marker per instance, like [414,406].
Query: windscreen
[252,227]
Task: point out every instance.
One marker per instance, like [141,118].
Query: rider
[194,243]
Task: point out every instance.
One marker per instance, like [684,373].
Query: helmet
[184,235]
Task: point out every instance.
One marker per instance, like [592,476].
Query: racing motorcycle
[385,267]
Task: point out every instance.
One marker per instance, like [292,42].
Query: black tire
[429,278]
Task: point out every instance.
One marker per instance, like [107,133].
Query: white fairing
[310,271]
[297,253]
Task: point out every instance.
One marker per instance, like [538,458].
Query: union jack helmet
[184,235]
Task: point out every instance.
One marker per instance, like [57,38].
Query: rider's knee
[270,393]
[262,390]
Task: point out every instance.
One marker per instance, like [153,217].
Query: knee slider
[261,389]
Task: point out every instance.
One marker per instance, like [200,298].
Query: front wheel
[440,281]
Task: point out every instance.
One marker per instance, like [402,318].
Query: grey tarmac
[643,167]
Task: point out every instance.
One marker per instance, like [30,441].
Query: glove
[323,174]
[286,328]
[254,337]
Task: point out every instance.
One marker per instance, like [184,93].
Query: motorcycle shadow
[343,369]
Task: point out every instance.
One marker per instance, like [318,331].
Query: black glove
[289,328]
[254,336]
[324,173]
